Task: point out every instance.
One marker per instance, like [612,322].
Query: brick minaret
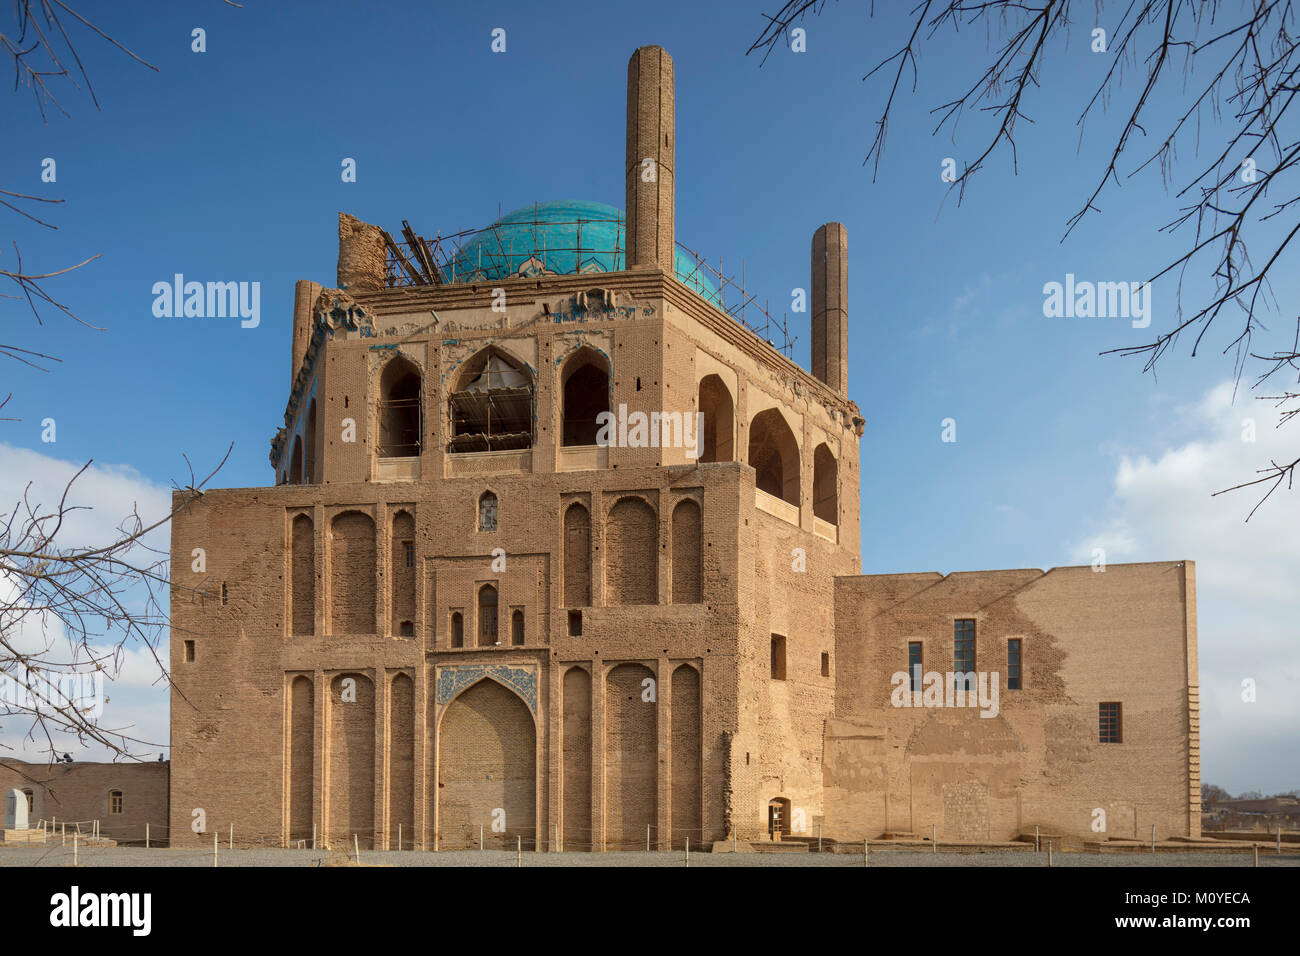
[650,135]
[830,296]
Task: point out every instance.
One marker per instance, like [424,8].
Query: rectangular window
[189,652]
[1110,719]
[826,664]
[115,801]
[408,553]
[1013,664]
[575,624]
[778,657]
[963,652]
[914,663]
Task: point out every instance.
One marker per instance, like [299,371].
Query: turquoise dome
[564,237]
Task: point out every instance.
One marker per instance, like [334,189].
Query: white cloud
[102,498]
[1248,598]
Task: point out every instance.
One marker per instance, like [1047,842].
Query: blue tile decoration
[454,678]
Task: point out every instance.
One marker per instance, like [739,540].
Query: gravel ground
[138,856]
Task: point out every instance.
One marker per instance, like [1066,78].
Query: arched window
[517,628]
[491,408]
[825,485]
[774,456]
[31,801]
[310,475]
[717,442]
[399,409]
[295,463]
[487,616]
[586,396]
[487,512]
[457,629]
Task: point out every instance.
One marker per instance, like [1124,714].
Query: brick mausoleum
[458,606]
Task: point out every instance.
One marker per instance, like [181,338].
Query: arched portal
[487,769]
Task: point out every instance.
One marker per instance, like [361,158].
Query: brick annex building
[458,608]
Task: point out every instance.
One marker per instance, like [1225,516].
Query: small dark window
[189,652]
[778,657]
[1111,723]
[225,594]
[408,553]
[1013,664]
[963,653]
[575,624]
[115,801]
[31,801]
[407,629]
[457,629]
[826,664]
[487,512]
[914,664]
[487,616]
[517,627]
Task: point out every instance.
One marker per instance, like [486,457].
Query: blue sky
[225,165]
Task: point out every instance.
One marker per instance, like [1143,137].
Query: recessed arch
[310,469]
[575,731]
[825,485]
[295,462]
[302,752]
[719,410]
[577,556]
[400,408]
[352,573]
[631,749]
[584,384]
[487,765]
[774,455]
[632,553]
[688,557]
[351,765]
[687,761]
[302,586]
[401,579]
